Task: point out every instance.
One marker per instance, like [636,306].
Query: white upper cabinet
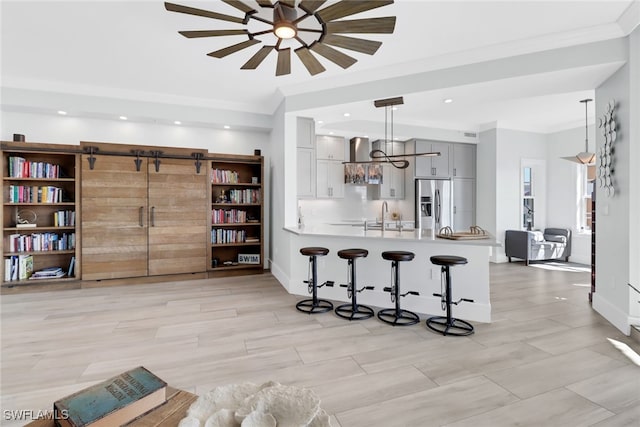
[433,167]
[306,132]
[330,147]
[392,186]
[329,179]
[464,161]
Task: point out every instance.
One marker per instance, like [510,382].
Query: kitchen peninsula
[469,281]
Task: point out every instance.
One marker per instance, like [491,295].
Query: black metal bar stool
[353,311]
[448,325]
[314,304]
[397,316]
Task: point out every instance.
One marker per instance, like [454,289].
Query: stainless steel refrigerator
[434,204]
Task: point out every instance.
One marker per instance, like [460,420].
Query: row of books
[223,235]
[38,242]
[64,219]
[34,194]
[222,176]
[248,195]
[19,167]
[230,216]
[18,267]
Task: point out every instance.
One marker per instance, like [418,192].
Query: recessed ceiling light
[330,133]
[62,113]
[346,114]
[227,127]
[366,136]
[320,122]
[448,101]
[177,122]
[123,117]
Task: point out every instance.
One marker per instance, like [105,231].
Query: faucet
[385,208]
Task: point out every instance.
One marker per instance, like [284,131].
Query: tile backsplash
[356,205]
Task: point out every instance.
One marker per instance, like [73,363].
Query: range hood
[360,169]
[359,149]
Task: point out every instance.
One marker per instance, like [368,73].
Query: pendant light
[585,157]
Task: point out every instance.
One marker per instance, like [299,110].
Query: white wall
[613,216]
[512,147]
[634,176]
[563,209]
[486,184]
[56,129]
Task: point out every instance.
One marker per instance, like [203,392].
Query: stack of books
[47,273]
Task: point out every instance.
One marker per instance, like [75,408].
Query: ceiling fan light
[285,30]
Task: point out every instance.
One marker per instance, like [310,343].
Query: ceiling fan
[290,20]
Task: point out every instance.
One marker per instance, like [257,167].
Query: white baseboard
[613,314]
[280,276]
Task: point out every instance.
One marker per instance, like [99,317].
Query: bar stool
[353,311]
[314,304]
[397,316]
[448,325]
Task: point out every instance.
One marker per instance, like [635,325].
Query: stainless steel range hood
[359,149]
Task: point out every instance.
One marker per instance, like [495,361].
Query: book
[25,266]
[72,265]
[113,402]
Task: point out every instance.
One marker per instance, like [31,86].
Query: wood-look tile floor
[543,361]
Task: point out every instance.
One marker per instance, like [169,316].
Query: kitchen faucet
[385,208]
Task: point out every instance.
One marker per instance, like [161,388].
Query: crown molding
[630,18]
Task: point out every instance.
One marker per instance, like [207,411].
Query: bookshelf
[39,211]
[237,214]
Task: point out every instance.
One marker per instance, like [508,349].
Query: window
[528,219]
[586,175]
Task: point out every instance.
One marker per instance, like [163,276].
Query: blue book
[113,402]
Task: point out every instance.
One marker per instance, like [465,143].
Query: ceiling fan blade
[172,7]
[264,3]
[232,49]
[257,59]
[240,6]
[311,6]
[290,3]
[284,62]
[350,7]
[384,25]
[345,61]
[212,33]
[359,45]
[308,60]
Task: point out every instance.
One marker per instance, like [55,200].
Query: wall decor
[607,124]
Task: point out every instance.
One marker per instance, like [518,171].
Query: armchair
[552,243]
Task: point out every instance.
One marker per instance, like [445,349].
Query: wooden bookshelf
[237,214]
[40,186]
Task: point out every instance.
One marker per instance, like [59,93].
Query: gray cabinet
[305,132]
[464,203]
[432,167]
[329,147]
[329,179]
[392,186]
[306,172]
[464,161]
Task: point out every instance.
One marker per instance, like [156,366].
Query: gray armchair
[553,243]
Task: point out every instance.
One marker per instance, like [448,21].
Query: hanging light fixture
[398,161]
[585,157]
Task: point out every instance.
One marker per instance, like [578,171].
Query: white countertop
[349,230]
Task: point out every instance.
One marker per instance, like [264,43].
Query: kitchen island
[468,281]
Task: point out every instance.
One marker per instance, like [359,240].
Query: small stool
[444,325]
[353,311]
[397,316]
[314,305]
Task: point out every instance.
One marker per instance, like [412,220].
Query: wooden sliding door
[114,218]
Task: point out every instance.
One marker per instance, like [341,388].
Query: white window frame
[583,195]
